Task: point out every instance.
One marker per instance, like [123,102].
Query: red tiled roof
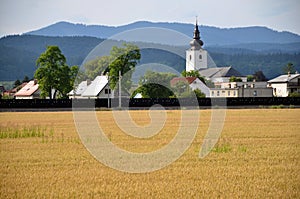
[28,89]
[185,79]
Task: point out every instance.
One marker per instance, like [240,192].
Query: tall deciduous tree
[97,66]
[54,76]
[124,60]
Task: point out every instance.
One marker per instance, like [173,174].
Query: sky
[20,16]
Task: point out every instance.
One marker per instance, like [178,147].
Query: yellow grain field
[257,156]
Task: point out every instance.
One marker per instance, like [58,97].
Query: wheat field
[257,156]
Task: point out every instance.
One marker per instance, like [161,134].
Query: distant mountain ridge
[211,36]
[18,55]
[247,49]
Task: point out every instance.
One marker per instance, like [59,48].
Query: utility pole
[120,77]
[108,104]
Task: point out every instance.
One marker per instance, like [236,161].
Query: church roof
[219,72]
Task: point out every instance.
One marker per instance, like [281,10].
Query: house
[242,89]
[29,91]
[98,88]
[283,85]
[194,83]
[77,92]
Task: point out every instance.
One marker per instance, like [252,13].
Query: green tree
[124,59]
[97,66]
[26,79]
[183,89]
[155,85]
[199,93]
[53,74]
[250,78]
[294,94]
[193,73]
[289,68]
[17,83]
[235,79]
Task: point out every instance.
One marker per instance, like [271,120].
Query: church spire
[196,42]
[196,31]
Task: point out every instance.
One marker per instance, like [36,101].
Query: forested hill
[210,35]
[18,55]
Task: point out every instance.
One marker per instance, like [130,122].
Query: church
[197,59]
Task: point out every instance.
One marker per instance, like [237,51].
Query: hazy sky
[19,16]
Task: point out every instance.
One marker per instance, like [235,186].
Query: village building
[283,85]
[194,83]
[77,92]
[28,91]
[242,89]
[98,88]
[197,60]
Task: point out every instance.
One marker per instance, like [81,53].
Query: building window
[228,93]
[218,93]
[107,91]
[212,93]
[190,57]
[254,93]
[234,93]
[200,56]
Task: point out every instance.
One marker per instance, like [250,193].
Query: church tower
[196,56]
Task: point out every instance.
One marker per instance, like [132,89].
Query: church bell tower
[196,56]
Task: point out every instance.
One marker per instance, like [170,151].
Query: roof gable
[28,90]
[175,80]
[80,88]
[283,78]
[95,87]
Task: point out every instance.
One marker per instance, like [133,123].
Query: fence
[148,102]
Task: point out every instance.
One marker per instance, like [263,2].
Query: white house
[77,92]
[283,85]
[242,89]
[98,89]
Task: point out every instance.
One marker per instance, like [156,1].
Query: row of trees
[56,79]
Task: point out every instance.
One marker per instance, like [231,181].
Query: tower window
[190,57]
[200,56]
